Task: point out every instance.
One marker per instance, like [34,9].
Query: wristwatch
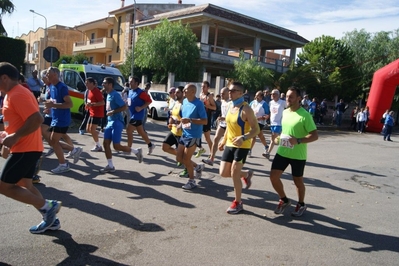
[299,141]
[244,138]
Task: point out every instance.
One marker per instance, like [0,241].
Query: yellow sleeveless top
[175,114]
[237,127]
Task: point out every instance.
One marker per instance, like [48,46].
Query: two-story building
[61,37]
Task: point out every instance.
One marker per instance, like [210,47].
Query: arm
[31,124]
[117,110]
[211,105]
[147,101]
[65,105]
[312,136]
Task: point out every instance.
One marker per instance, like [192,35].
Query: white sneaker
[190,185]
[69,155]
[49,152]
[61,169]
[76,154]
[139,155]
[101,134]
[107,169]
[198,170]
[97,149]
[151,149]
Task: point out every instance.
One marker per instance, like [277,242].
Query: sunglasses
[233,90]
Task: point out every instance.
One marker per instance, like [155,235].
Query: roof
[221,13]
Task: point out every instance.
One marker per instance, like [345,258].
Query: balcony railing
[99,44]
[225,55]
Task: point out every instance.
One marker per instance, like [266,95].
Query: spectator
[361,120]
[388,126]
[216,113]
[323,111]
[246,96]
[340,109]
[306,102]
[354,113]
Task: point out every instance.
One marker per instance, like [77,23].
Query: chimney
[179,2]
[123,3]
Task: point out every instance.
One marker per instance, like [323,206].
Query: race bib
[186,126]
[285,141]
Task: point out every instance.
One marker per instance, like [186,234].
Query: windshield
[159,96]
[100,77]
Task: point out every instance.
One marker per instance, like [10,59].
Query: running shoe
[151,149]
[97,148]
[248,180]
[249,154]
[69,155]
[235,207]
[107,169]
[56,225]
[200,152]
[81,132]
[190,185]
[76,154]
[61,169]
[178,164]
[198,170]
[266,155]
[282,206]
[139,154]
[299,210]
[49,152]
[208,161]
[183,173]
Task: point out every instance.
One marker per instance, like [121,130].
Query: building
[107,40]
[222,35]
[61,37]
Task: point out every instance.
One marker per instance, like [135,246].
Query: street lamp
[133,37]
[45,30]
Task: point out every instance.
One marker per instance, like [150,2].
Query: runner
[22,120]
[262,113]
[222,126]
[277,107]
[298,130]
[193,118]
[115,106]
[242,126]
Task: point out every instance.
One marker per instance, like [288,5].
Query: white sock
[63,164]
[98,144]
[45,206]
[135,151]
[110,164]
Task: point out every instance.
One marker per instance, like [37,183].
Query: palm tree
[6,6]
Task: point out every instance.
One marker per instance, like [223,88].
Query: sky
[309,18]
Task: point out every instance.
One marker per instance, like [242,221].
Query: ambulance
[74,76]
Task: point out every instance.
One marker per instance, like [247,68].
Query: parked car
[159,106]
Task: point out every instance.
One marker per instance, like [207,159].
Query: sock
[73,151]
[64,164]
[110,164]
[149,145]
[98,144]
[135,151]
[301,203]
[45,206]
[285,199]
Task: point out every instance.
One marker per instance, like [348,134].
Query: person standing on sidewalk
[242,127]
[22,120]
[193,119]
[95,108]
[35,84]
[115,107]
[298,129]
[60,104]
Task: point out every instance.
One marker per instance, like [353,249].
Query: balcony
[100,45]
[223,55]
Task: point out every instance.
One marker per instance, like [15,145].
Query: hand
[48,104]
[10,140]
[221,118]
[221,145]
[170,126]
[185,120]
[110,113]
[238,141]
[138,108]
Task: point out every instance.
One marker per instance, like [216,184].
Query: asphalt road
[139,215]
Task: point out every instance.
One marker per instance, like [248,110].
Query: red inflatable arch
[385,81]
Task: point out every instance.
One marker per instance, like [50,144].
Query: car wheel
[154,114]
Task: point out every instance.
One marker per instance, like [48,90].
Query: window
[73,80]
[91,59]
[109,58]
[93,36]
[111,33]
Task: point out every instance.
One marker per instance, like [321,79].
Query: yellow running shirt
[237,127]
[175,114]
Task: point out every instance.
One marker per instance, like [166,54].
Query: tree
[170,47]
[6,7]
[330,69]
[251,74]
[71,59]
